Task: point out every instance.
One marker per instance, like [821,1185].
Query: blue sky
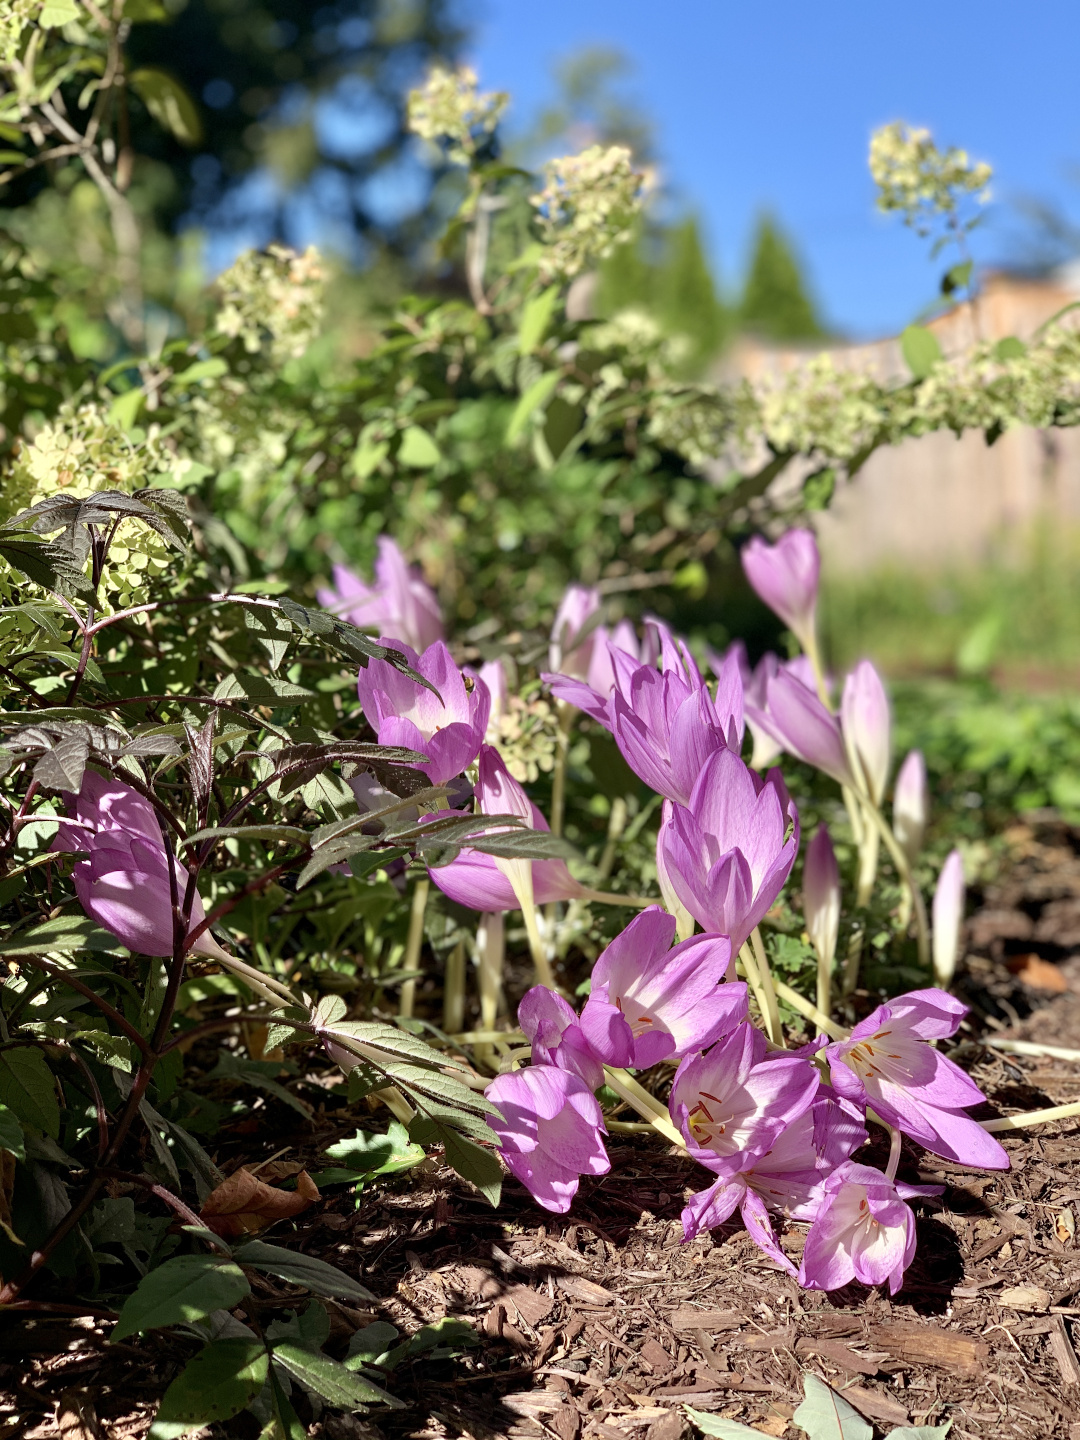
[771,104]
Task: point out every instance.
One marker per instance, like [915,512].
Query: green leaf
[368,457]
[273,632]
[188,1287]
[473,1163]
[535,398]
[338,1386]
[260,690]
[825,1415]
[66,933]
[50,564]
[124,410]
[921,350]
[315,1275]
[169,103]
[55,13]
[217,1384]
[211,369]
[418,449]
[369,1344]
[283,1423]
[369,1154]
[956,278]
[27,1087]
[11,1135]
[280,834]
[535,318]
[1008,348]
[717,1425]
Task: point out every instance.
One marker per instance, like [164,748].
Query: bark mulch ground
[603,1324]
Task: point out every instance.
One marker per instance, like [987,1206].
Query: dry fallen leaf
[243,1203]
[1065,1226]
[1039,974]
[1026,1297]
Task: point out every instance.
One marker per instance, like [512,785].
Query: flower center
[706,1127]
[639,1024]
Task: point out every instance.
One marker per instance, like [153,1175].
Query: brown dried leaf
[1039,974]
[243,1203]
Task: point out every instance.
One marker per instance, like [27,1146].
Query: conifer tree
[775,302]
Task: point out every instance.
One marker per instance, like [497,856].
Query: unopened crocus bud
[948,914]
[911,805]
[865,720]
[572,634]
[821,895]
[785,575]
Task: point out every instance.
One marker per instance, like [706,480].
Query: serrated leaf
[49,564]
[825,1415]
[272,631]
[11,1133]
[260,690]
[67,933]
[315,1275]
[27,1087]
[185,1288]
[337,1386]
[282,834]
[217,1384]
[62,765]
[473,1163]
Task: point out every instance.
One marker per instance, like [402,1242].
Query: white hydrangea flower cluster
[273,298]
[82,452]
[920,181]
[589,205]
[449,107]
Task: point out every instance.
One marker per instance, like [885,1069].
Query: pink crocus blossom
[732,1103]
[650,1002]
[398,603]
[549,1132]
[664,720]
[573,637]
[551,1025]
[482,882]
[728,853]
[793,714]
[911,804]
[867,728]
[789,1180]
[948,912]
[821,895]
[785,576]
[863,1231]
[447,727]
[888,1064]
[123,884]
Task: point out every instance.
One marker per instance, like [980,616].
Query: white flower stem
[811,1012]
[1032,1117]
[566,715]
[454,990]
[639,1099]
[411,961]
[761,955]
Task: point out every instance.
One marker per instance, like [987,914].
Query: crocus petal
[709,1208]
[865,721]
[785,576]
[759,1227]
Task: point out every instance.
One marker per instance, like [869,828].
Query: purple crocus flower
[573,638]
[792,713]
[785,576]
[448,730]
[552,1025]
[124,885]
[911,804]
[483,882]
[664,721]
[728,853]
[649,1002]
[887,1064]
[398,603]
[549,1132]
[866,725]
[863,1231]
[789,1180]
[948,912]
[821,895]
[732,1103]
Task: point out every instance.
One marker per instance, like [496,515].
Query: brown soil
[603,1324]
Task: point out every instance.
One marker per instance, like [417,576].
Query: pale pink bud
[785,575]
[948,915]
[911,805]
[821,895]
[866,723]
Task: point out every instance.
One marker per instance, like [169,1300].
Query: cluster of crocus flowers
[398,602]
